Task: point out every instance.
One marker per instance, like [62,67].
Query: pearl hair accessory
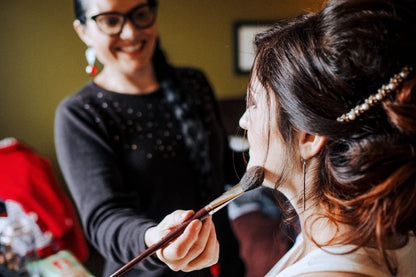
[382,92]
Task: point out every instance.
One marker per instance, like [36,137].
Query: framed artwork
[244,50]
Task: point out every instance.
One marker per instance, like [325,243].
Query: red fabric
[215,270]
[28,178]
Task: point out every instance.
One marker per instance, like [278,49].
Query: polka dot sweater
[127,166]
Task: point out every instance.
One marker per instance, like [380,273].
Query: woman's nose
[243,122]
[128,30]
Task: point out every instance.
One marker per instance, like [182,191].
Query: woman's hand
[195,249]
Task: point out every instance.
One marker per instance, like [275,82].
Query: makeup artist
[331,115]
[141,146]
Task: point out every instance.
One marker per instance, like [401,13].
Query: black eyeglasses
[112,23]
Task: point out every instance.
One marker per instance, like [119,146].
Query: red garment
[28,178]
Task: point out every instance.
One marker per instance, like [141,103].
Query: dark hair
[319,66]
[80,8]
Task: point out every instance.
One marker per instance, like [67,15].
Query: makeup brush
[252,179]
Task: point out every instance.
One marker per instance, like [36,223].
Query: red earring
[91,69]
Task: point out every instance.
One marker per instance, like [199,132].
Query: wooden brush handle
[201,215]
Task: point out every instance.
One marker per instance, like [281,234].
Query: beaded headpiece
[382,92]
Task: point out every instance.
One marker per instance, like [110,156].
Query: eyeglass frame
[127,16]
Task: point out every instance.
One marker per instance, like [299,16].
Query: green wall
[42,60]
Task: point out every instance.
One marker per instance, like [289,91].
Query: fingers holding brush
[195,249]
[156,233]
[206,252]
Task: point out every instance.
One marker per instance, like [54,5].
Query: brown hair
[321,65]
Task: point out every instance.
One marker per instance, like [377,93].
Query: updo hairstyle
[320,66]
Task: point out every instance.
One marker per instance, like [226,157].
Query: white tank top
[364,261]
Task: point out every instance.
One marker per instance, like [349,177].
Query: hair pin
[382,92]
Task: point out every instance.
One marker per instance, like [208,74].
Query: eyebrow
[118,12]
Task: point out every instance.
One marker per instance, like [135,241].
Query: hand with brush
[195,249]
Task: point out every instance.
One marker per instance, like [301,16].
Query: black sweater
[125,162]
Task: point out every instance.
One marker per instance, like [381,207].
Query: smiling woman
[141,141]
[35,79]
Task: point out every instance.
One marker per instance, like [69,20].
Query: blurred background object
[37,218]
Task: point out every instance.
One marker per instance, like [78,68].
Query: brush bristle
[253,178]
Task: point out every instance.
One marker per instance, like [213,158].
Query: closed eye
[251,101]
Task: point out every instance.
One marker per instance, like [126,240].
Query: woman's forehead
[101,6]
[255,87]
[257,91]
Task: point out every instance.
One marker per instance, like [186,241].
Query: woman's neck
[318,230]
[140,82]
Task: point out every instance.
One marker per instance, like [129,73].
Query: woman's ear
[81,31]
[310,145]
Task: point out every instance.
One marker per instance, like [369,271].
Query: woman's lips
[133,50]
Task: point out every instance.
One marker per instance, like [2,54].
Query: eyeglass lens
[112,23]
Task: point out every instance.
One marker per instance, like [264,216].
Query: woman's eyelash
[251,102]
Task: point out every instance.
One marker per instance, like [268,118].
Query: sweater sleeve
[94,176]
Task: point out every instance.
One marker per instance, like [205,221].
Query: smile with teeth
[133,48]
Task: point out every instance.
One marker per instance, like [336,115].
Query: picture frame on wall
[244,49]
